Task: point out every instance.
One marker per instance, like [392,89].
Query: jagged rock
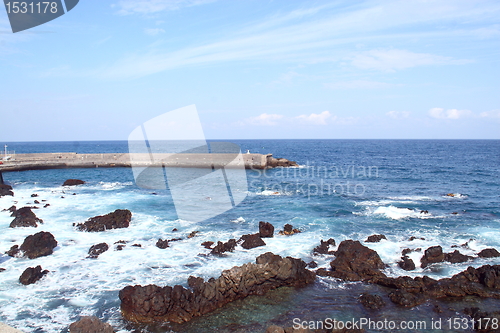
[312,264]
[136,245]
[324,247]
[279,162]
[148,304]
[207,245]
[120,218]
[406,299]
[489,253]
[32,275]
[38,245]
[24,217]
[221,247]
[162,244]
[406,263]
[2,269]
[11,209]
[275,329]
[412,238]
[96,250]
[375,238]
[73,182]
[456,257]
[356,262]
[90,325]
[251,241]
[46,205]
[34,195]
[432,255]
[6,190]
[266,229]
[289,230]
[370,301]
[36,202]
[192,234]
[14,251]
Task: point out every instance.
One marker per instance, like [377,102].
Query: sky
[256,69]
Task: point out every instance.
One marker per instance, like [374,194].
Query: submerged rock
[24,217]
[373,302]
[73,182]
[251,241]
[120,218]
[90,325]
[148,304]
[32,275]
[98,249]
[6,190]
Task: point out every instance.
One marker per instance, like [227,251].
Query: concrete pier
[43,161]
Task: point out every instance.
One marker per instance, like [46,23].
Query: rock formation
[375,238]
[324,247]
[221,247]
[98,249]
[120,218]
[6,190]
[32,275]
[24,217]
[266,229]
[90,325]
[73,182]
[251,241]
[34,246]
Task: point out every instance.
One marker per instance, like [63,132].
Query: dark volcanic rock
[96,250]
[24,217]
[266,229]
[11,209]
[6,190]
[34,195]
[456,257]
[32,274]
[147,304]
[406,299]
[432,255]
[73,182]
[193,234]
[162,244]
[2,270]
[288,230]
[489,253]
[356,262]
[251,241]
[406,263]
[324,247]
[375,238]
[370,301]
[120,218]
[484,320]
[90,325]
[221,247]
[279,162]
[207,245]
[38,245]
[13,252]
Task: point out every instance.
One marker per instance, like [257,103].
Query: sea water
[442,192]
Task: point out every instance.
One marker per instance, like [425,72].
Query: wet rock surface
[162,244]
[34,246]
[375,238]
[373,302]
[90,325]
[24,217]
[120,218]
[32,275]
[324,247]
[252,241]
[288,230]
[147,304]
[432,255]
[98,249]
[489,253]
[221,247]
[266,229]
[6,190]
[73,182]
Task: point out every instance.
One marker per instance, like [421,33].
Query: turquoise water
[345,189]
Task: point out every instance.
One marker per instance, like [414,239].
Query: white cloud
[126,7]
[398,114]
[490,114]
[393,59]
[315,118]
[440,113]
[153,31]
[264,119]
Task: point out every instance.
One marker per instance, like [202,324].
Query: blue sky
[256,69]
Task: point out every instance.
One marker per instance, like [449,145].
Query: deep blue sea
[343,189]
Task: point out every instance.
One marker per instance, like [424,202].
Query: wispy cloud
[264,119]
[398,114]
[127,7]
[440,113]
[393,59]
[153,31]
[315,118]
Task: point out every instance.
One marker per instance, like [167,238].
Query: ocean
[343,189]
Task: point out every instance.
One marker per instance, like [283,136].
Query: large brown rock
[375,238]
[456,257]
[432,255]
[356,262]
[38,245]
[266,229]
[251,241]
[32,275]
[148,304]
[90,325]
[489,253]
[120,218]
[24,217]
[221,247]
[73,182]
[6,190]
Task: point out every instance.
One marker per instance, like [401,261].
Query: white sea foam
[238,220]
